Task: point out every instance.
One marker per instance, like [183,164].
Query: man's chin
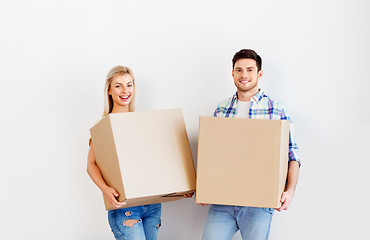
[243,89]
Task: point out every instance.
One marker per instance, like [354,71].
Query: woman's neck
[120,109]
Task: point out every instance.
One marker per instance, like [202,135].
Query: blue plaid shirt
[262,107]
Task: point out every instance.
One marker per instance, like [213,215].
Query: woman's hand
[112,196]
[95,175]
[188,195]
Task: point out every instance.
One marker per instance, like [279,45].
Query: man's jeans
[224,221]
[144,222]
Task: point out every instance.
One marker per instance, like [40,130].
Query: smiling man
[250,102]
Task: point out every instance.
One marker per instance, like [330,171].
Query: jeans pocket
[269,210]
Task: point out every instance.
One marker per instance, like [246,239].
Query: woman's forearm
[94,172]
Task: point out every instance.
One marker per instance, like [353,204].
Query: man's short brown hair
[248,53]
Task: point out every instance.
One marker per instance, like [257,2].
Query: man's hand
[286,198]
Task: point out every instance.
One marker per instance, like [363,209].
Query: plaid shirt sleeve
[226,108]
[217,111]
[293,148]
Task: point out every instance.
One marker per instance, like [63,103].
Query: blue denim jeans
[136,223]
[224,221]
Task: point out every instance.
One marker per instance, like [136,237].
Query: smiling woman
[119,90]
[140,222]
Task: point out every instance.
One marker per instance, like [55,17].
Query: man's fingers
[283,197]
[284,206]
[285,203]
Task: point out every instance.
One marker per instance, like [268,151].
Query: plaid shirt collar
[256,97]
[231,109]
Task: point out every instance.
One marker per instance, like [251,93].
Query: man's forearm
[292,178]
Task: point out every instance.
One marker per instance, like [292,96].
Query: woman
[134,223]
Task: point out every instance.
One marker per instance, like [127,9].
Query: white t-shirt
[242,110]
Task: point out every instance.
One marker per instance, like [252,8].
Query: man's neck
[246,96]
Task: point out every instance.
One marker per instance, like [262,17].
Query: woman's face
[122,90]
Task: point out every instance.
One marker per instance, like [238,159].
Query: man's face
[246,75]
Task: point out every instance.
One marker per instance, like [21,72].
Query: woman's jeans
[136,223]
[224,221]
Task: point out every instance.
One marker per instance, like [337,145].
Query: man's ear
[232,73]
[260,73]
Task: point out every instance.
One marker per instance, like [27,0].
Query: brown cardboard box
[145,156]
[242,161]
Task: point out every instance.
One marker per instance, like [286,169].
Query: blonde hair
[108,101]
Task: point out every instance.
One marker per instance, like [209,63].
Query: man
[250,102]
